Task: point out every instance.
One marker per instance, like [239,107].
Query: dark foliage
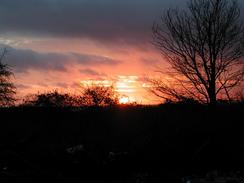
[7,88]
[52,99]
[97,95]
[129,144]
[93,96]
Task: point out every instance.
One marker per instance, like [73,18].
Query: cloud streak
[91,72]
[23,60]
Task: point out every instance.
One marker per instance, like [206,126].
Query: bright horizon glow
[121,67]
[68,65]
[129,88]
[124,100]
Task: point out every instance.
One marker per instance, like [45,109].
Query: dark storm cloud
[106,20]
[23,60]
[103,20]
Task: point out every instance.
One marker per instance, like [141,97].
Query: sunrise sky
[64,44]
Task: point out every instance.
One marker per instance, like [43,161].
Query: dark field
[123,144]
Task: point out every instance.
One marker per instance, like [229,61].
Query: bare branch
[203,44]
[7,89]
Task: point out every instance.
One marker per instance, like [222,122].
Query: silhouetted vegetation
[204,46]
[52,99]
[128,144]
[7,89]
[92,96]
[97,95]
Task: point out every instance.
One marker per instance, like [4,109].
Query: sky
[66,44]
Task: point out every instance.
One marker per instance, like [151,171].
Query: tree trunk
[212,94]
[213,100]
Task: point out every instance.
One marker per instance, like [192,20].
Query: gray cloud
[93,59]
[106,20]
[127,21]
[24,59]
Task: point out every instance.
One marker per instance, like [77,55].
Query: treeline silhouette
[124,143]
[94,95]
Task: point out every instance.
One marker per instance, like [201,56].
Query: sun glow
[124,100]
[131,89]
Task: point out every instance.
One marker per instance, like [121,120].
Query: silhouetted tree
[7,88]
[52,99]
[203,45]
[97,95]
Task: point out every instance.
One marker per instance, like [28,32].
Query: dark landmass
[165,143]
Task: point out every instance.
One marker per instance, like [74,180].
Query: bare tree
[97,95]
[7,89]
[204,46]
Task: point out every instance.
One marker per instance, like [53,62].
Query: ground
[168,143]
